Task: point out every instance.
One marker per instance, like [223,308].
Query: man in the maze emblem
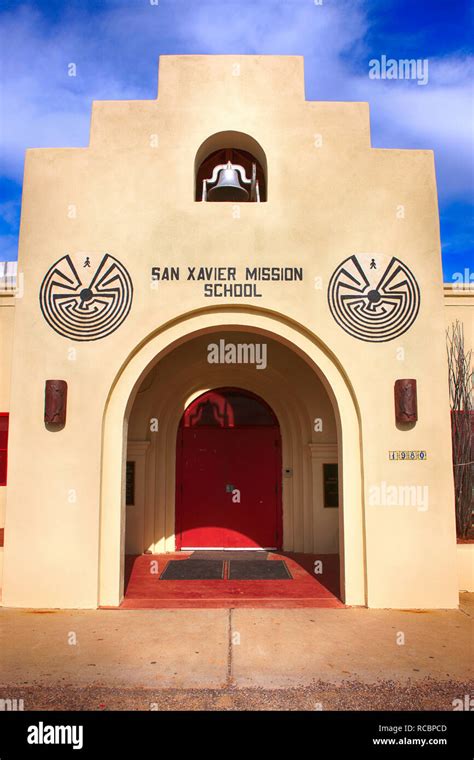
[374,310]
[86,311]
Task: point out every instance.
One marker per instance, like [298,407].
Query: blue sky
[115,45]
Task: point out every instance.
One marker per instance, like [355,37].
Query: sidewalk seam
[229,650]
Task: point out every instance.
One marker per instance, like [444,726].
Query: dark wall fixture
[406,407]
[130,484]
[55,403]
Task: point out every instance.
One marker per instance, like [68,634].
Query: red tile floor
[143,589]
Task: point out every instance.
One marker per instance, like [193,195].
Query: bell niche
[231,174]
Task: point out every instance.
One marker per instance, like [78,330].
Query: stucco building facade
[309,299]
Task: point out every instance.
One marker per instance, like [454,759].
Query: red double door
[228,484]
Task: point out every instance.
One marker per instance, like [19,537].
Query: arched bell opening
[231,166]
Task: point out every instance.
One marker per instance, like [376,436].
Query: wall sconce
[406,406]
[55,403]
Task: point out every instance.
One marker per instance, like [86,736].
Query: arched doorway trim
[120,400]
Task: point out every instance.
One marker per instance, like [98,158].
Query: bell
[228,187]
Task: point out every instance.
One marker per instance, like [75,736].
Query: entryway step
[229,555]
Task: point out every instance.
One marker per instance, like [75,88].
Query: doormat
[250,570]
[228,555]
[199,570]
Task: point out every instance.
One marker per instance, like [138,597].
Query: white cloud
[45,106]
[438,116]
[116,56]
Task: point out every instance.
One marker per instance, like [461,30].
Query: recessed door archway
[120,401]
[228,473]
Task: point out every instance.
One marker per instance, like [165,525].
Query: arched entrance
[158,346]
[228,473]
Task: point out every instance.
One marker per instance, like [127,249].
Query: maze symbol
[373,312]
[89,311]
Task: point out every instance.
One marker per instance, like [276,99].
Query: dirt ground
[384,695]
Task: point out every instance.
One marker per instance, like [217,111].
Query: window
[331,485]
[4,418]
[228,408]
[130,484]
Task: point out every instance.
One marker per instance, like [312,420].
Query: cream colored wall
[135,201]
[297,397]
[7,314]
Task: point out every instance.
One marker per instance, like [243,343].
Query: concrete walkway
[237,659]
